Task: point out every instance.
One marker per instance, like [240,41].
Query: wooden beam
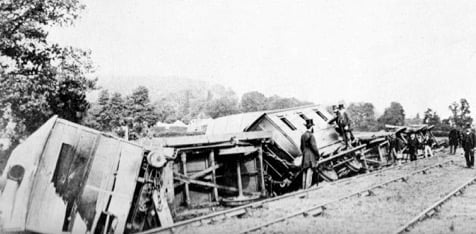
[238,150]
[364,159]
[214,139]
[198,174]
[261,171]
[207,184]
[213,167]
[274,169]
[380,153]
[374,161]
[184,171]
[340,154]
[340,163]
[238,177]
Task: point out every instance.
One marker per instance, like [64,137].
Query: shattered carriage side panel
[72,175]
[27,154]
[98,187]
[60,174]
[128,170]
[281,139]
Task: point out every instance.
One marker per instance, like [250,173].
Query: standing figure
[428,143]
[343,123]
[453,139]
[413,146]
[469,143]
[310,154]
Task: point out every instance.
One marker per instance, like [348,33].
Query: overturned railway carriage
[66,178]
[283,155]
[208,170]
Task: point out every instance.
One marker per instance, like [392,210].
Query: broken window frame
[303,116]
[288,123]
[319,113]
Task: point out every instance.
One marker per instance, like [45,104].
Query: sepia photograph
[237,116]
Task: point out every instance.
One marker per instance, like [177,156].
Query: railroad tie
[314,213]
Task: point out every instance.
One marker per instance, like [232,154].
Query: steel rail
[358,193]
[243,209]
[434,207]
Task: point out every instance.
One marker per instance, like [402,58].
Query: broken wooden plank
[184,171]
[213,139]
[238,150]
[341,154]
[198,174]
[211,164]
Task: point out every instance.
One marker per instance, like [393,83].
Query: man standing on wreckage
[310,154]
[343,122]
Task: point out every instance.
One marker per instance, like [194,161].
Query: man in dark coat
[343,122]
[412,146]
[469,143]
[310,154]
[453,139]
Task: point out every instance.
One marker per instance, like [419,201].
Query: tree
[414,121]
[117,113]
[431,118]
[39,79]
[99,116]
[460,113]
[222,106]
[140,113]
[252,101]
[393,115]
[363,116]
[167,111]
[277,102]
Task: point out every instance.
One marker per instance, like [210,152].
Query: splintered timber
[69,178]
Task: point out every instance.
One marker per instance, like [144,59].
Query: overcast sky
[419,53]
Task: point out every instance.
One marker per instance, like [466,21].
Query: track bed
[326,193]
[385,209]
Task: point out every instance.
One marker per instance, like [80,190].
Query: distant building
[199,125]
[177,126]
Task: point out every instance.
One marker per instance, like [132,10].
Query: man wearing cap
[469,143]
[310,154]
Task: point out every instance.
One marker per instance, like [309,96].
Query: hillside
[160,87]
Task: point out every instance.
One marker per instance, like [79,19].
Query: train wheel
[354,165]
[328,175]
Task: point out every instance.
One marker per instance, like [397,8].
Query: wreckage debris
[93,182]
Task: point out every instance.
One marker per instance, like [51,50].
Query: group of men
[467,139]
[424,142]
[310,152]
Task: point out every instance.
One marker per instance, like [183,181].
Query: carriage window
[289,124]
[321,115]
[303,116]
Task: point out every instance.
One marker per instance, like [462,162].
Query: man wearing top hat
[453,139]
[310,154]
[468,143]
[412,146]
[343,122]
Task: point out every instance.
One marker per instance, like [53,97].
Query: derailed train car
[282,156]
[66,178]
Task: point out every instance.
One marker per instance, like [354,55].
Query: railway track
[390,207]
[455,212]
[348,185]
